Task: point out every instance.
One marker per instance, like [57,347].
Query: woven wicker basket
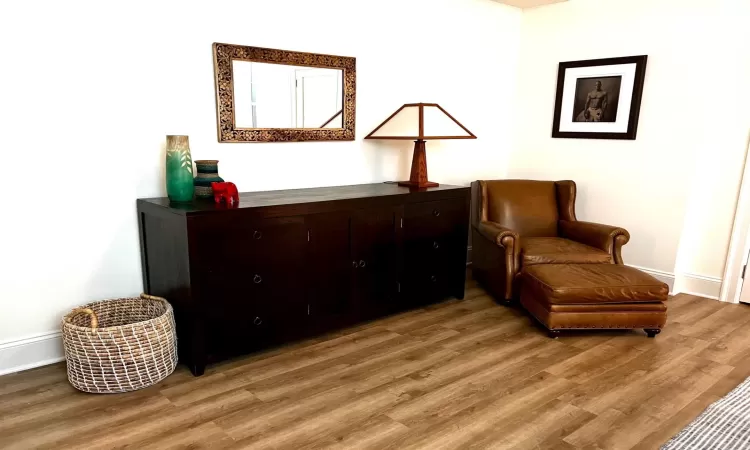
[120,345]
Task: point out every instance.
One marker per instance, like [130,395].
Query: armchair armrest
[604,237]
[498,234]
[497,252]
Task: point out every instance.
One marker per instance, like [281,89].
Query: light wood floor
[462,374]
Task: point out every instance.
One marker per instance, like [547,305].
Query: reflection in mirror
[282,96]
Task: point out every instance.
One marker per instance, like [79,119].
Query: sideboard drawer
[428,284]
[249,245]
[433,219]
[265,305]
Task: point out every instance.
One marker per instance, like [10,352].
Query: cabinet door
[328,270]
[376,259]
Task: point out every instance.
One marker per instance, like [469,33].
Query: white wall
[88,91]
[675,187]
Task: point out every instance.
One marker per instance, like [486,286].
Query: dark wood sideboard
[288,264]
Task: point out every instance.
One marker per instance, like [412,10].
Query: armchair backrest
[528,207]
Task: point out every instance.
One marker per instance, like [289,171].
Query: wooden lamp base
[418,176]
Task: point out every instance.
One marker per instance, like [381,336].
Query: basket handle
[152,297]
[90,312]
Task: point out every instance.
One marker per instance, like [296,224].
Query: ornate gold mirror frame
[224,54]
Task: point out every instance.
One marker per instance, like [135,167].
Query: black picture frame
[635,106]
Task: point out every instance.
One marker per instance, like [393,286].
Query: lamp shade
[421,121]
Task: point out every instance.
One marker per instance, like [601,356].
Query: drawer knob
[362,263]
[354,264]
[257,279]
[436,212]
[433,278]
[257,234]
[435,245]
[258,321]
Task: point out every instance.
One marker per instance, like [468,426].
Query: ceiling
[529,3]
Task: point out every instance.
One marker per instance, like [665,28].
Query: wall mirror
[267,95]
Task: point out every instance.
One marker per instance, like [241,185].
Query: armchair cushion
[551,250]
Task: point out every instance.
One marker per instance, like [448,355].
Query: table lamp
[420,122]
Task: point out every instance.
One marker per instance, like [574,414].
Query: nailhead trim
[606,327]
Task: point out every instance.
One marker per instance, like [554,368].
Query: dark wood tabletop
[310,195]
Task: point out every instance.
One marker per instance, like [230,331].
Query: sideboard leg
[197,369]
[198,357]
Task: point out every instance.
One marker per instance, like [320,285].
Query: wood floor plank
[596,360]
[484,316]
[376,432]
[48,430]
[718,324]
[207,435]
[34,378]
[265,417]
[26,398]
[432,316]
[660,400]
[527,431]
[584,340]
[359,378]
[683,417]
[673,384]
[202,388]
[158,425]
[326,423]
[732,350]
[460,428]
[590,433]
[473,362]
[328,374]
[620,384]
[669,428]
[264,370]
[74,404]
[696,310]
[298,355]
[460,393]
[461,374]
[477,336]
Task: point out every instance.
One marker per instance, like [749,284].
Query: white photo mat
[626,71]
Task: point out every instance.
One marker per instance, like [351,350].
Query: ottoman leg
[554,334]
[652,332]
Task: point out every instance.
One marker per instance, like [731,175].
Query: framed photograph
[599,98]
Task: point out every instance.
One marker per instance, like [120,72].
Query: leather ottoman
[598,296]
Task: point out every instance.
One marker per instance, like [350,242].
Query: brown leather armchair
[517,223]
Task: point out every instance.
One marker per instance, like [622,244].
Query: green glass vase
[180,187]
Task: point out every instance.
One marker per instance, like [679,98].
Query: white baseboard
[664,277]
[34,351]
[686,283]
[701,285]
